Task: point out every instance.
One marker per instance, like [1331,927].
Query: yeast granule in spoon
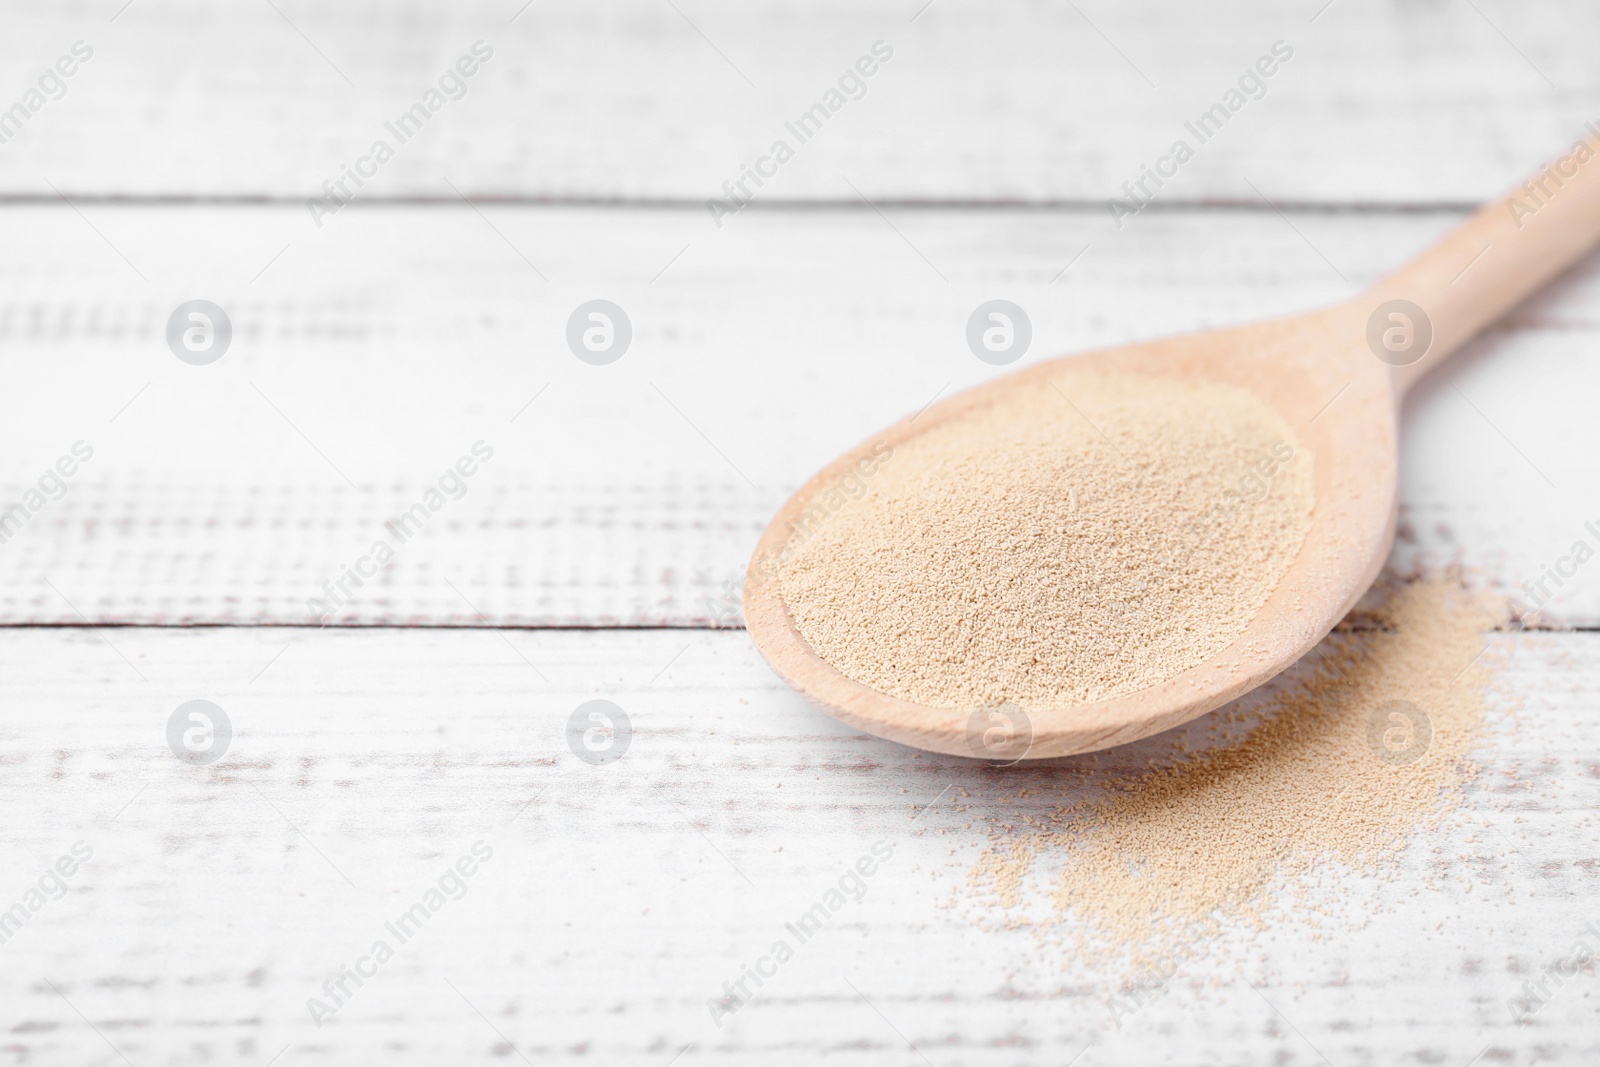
[1077,539]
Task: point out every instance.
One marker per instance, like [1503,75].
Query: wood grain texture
[620,897]
[380,348]
[1013,100]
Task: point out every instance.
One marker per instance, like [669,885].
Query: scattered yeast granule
[1079,538]
[1365,741]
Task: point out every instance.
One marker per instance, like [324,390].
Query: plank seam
[1062,206]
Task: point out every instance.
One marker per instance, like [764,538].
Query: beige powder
[1334,763]
[1078,539]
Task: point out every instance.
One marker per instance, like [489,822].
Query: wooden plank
[1011,100]
[382,349]
[619,897]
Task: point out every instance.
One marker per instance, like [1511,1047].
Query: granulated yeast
[1079,539]
[1336,764]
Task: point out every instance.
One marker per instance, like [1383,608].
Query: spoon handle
[1488,264]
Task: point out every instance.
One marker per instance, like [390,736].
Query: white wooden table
[591,556]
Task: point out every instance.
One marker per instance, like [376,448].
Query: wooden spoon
[1336,375]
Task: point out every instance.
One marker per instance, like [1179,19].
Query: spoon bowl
[1336,376]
